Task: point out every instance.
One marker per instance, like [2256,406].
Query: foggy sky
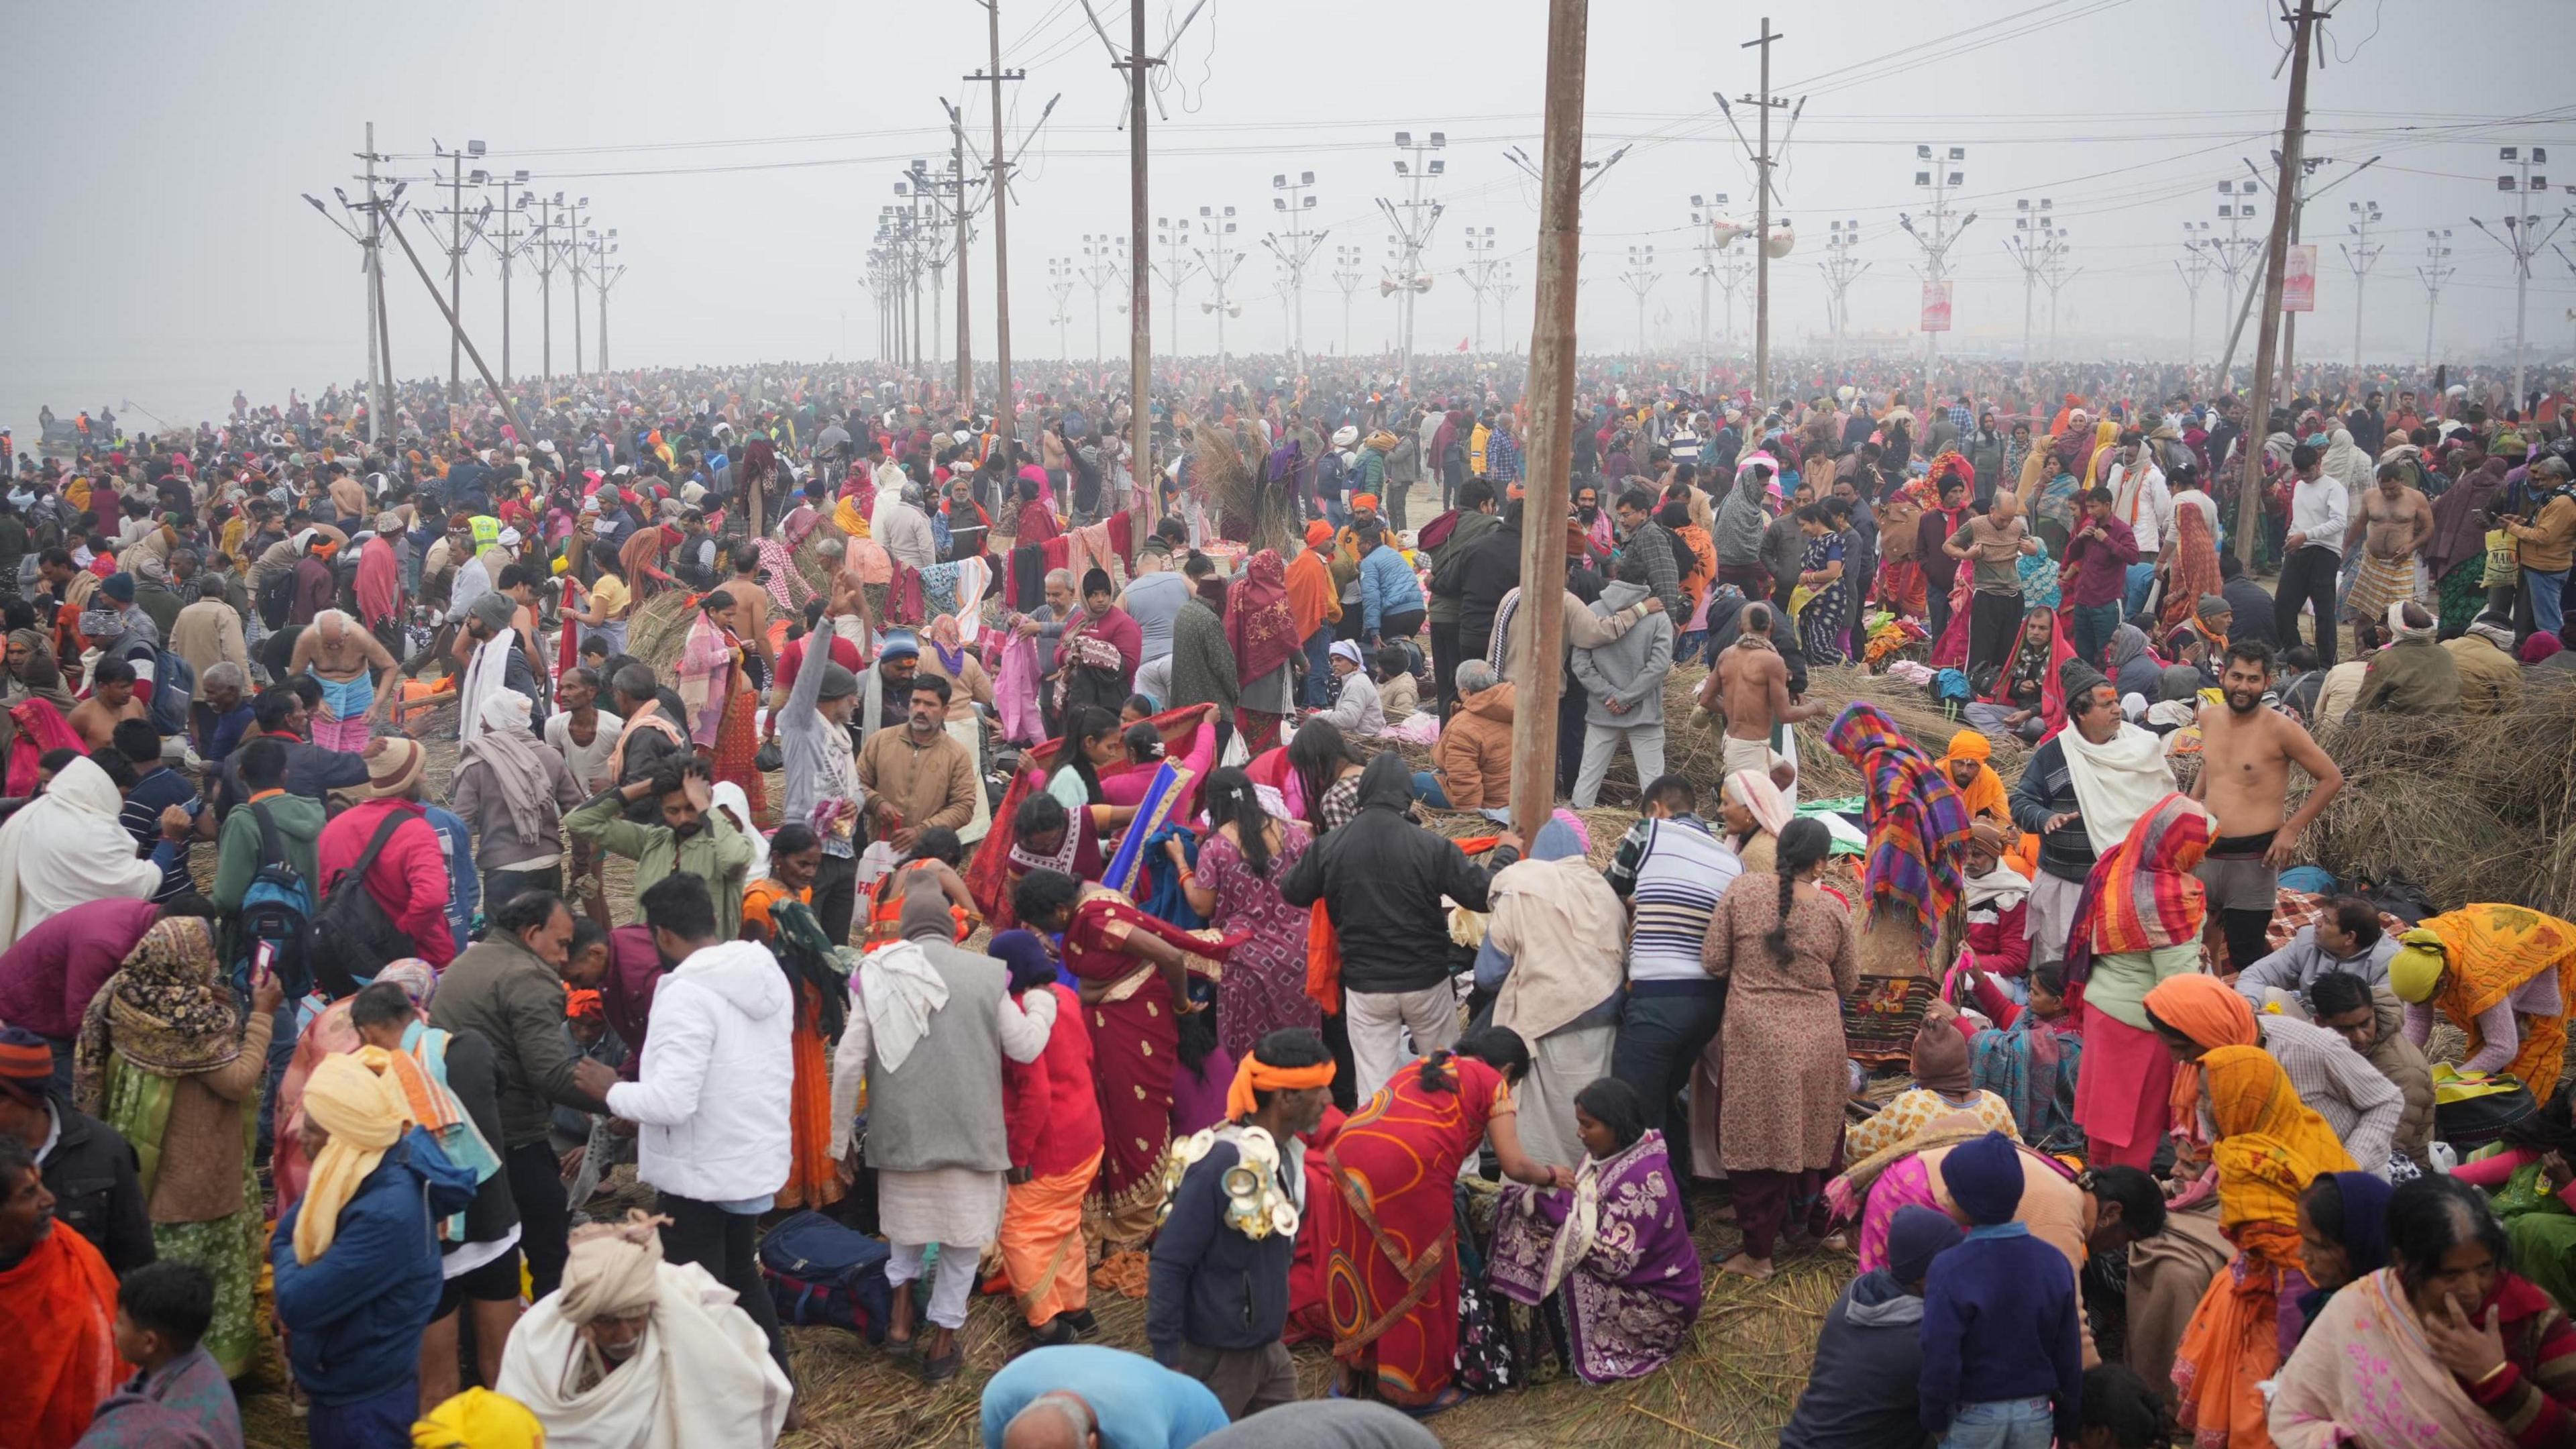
[159,250]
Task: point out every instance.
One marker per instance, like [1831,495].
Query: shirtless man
[751,607]
[2396,519]
[355,670]
[112,698]
[2245,756]
[1749,690]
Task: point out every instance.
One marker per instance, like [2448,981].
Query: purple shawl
[1632,1292]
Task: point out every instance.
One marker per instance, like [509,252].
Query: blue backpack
[823,1272]
[275,912]
[174,682]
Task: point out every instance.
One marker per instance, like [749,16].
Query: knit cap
[1984,1178]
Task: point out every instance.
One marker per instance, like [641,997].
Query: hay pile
[2469,808]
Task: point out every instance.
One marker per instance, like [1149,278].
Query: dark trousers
[381,1420]
[836,885]
[2308,577]
[721,1242]
[1570,707]
[1391,627]
[1992,621]
[2248,935]
[1765,1200]
[1444,665]
[1319,667]
[545,1214]
[1936,608]
[500,887]
[1662,1030]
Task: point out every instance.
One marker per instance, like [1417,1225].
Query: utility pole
[1004,412]
[1540,635]
[365,224]
[961,214]
[2360,255]
[601,249]
[2436,270]
[1938,174]
[1734,273]
[570,244]
[458,243]
[1478,274]
[1061,276]
[1705,219]
[1641,279]
[1294,251]
[1414,219]
[512,241]
[2235,251]
[1104,260]
[2056,276]
[1174,237]
[2034,243]
[1219,259]
[1503,303]
[1762,197]
[1347,276]
[2194,271]
[2285,206]
[2523,238]
[1840,273]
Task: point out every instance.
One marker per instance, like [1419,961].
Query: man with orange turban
[1216,1300]
[1979,785]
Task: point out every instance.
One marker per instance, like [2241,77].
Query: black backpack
[277,598]
[351,938]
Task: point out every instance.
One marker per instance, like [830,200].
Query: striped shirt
[1680,872]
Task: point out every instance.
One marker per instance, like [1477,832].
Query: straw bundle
[2467,807]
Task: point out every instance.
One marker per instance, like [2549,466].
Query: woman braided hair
[1802,844]
[1233,800]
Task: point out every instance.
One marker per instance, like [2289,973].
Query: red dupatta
[1259,626]
[2052,691]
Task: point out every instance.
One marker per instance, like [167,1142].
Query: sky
[161,253]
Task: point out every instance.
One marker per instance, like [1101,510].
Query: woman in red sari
[1262,631]
[1133,974]
[1391,1262]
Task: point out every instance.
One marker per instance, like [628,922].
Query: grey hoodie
[1861,1391]
[1630,668]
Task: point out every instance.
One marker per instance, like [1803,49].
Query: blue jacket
[1387,587]
[354,1315]
[1209,1285]
[1999,1323]
[464,885]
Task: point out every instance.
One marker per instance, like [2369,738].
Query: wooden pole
[1540,634]
[1140,276]
[2285,203]
[466,342]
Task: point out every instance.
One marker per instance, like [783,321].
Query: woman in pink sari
[2442,1347]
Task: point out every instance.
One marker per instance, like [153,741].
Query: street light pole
[1294,251]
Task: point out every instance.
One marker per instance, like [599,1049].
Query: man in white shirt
[2140,498]
[2319,513]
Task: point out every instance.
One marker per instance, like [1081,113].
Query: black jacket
[1868,1357]
[1382,877]
[91,1173]
[1209,1285]
[1488,569]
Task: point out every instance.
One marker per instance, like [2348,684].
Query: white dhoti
[970,733]
[958,1208]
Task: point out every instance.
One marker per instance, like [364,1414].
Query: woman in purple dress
[1235,886]
[1613,1251]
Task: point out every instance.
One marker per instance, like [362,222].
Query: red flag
[1462,344]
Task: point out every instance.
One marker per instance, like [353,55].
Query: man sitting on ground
[636,1351]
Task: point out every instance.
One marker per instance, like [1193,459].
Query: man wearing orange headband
[1217,1299]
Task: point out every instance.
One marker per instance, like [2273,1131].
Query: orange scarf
[56,1310]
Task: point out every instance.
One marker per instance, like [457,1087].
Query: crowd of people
[1048,870]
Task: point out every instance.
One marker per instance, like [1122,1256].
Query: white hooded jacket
[67,848]
[711,1097]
